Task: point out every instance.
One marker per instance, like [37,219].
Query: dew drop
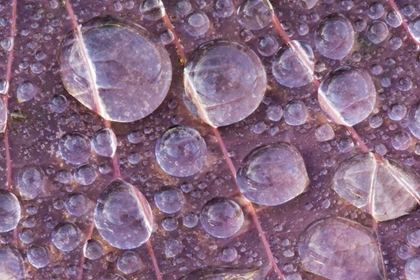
[197,24]
[348,95]
[170,224]
[397,112]
[74,148]
[307,4]
[334,37]
[228,254]
[377,32]
[58,104]
[26,91]
[3,116]
[267,45]
[93,249]
[9,211]
[221,217]
[224,81]
[295,113]
[413,237]
[173,247]
[190,220]
[324,132]
[181,151]
[152,9]
[85,175]
[4,86]
[38,256]
[66,236]
[169,200]
[77,204]
[11,264]
[30,181]
[255,14]
[272,174]
[288,68]
[104,142]
[183,7]
[393,18]
[401,140]
[414,29]
[274,113]
[223,8]
[376,10]
[129,262]
[123,216]
[412,268]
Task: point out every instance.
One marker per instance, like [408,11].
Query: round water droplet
[274,113]
[224,81]
[85,175]
[123,216]
[104,142]
[334,37]
[288,68]
[190,220]
[348,95]
[26,236]
[267,45]
[414,120]
[74,148]
[397,112]
[4,86]
[377,32]
[401,140]
[197,24]
[66,236]
[26,91]
[221,217]
[183,7]
[272,174]
[255,14]
[223,8]
[169,200]
[170,224]
[228,254]
[413,237]
[376,10]
[9,211]
[412,268]
[308,4]
[414,29]
[295,113]
[129,262]
[38,256]
[77,204]
[119,71]
[152,9]
[393,18]
[11,264]
[181,151]
[30,181]
[324,132]
[58,104]
[173,247]
[93,249]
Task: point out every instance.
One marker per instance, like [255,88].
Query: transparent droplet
[412,268]
[274,113]
[324,132]
[170,224]
[197,24]
[223,8]
[9,211]
[26,235]
[129,262]
[11,264]
[3,116]
[190,220]
[77,204]
[255,14]
[334,37]
[413,237]
[377,32]
[183,7]
[104,142]
[169,200]
[289,69]
[267,45]
[123,216]
[74,148]
[401,140]
[152,9]
[376,10]
[221,217]
[30,181]
[224,82]
[347,95]
[414,29]
[307,4]
[93,249]
[334,247]
[38,256]
[295,113]
[4,86]
[26,91]
[228,254]
[66,236]
[181,151]
[272,174]
[375,121]
[397,112]
[173,247]
[85,175]
[393,18]
[115,69]
[58,104]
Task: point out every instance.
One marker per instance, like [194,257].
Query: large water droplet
[115,69]
[224,81]
[9,211]
[30,181]
[66,236]
[334,248]
[38,256]
[412,268]
[74,148]
[272,174]
[334,37]
[11,264]
[181,151]
[123,216]
[169,200]
[347,95]
[255,14]
[104,142]
[288,68]
[221,217]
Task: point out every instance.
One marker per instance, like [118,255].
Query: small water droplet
[255,14]
[93,249]
[152,9]
[295,113]
[173,247]
[66,236]
[74,148]
[197,24]
[38,256]
[169,200]
[129,262]
[104,142]
[223,8]
[30,181]
[9,211]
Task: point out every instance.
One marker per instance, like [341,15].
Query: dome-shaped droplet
[223,8]
[93,249]
[3,116]
[347,95]
[414,29]
[123,216]
[115,69]
[324,132]
[228,254]
[11,264]
[412,268]
[74,148]
[26,91]
[224,82]
[152,9]
[85,175]
[169,200]
[197,24]
[334,37]
[38,256]
[104,142]
[30,181]
[129,262]
[77,204]
[181,151]
[221,217]
[58,103]
[267,45]
[173,247]
[376,10]
[295,113]
[289,69]
[9,211]
[393,18]
[66,236]
[377,32]
[255,14]
[414,120]
[272,174]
